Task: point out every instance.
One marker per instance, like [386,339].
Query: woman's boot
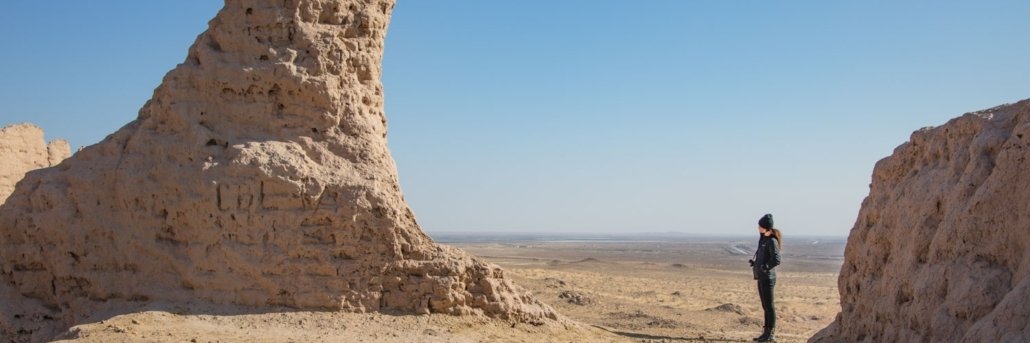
[770,335]
[764,336]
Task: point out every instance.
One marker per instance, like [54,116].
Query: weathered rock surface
[941,248]
[258,175]
[23,149]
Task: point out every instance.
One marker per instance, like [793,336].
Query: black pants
[766,284]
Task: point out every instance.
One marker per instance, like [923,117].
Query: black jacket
[767,257]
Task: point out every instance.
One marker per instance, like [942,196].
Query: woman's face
[761,230]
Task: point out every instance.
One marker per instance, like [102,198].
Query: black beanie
[766,221]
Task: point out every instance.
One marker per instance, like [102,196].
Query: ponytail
[779,238]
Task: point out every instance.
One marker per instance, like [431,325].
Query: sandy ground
[695,291]
[683,291]
[186,325]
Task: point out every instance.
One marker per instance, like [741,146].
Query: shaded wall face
[939,251]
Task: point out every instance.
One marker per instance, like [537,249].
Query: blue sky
[590,116]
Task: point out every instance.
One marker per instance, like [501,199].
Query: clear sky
[598,116]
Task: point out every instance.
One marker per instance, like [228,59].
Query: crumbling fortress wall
[258,175]
[941,248]
[22,149]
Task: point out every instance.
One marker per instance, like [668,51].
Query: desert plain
[254,199]
[649,288]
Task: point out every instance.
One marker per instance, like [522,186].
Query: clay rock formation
[941,248]
[23,149]
[258,175]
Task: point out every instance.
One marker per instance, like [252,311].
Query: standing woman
[767,257]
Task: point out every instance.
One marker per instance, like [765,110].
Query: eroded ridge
[939,251]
